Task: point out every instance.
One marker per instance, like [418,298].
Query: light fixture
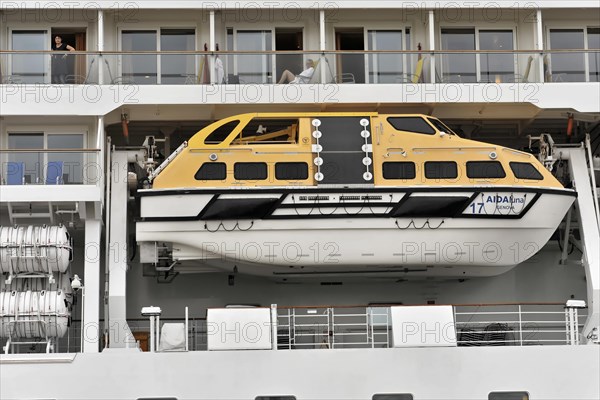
[76,283]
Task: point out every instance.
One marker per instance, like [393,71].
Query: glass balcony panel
[496,67]
[72,161]
[386,68]
[458,67]
[138,68]
[565,67]
[254,68]
[176,68]
[30,67]
[32,162]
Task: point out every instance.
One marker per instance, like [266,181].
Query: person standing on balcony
[59,61]
[302,77]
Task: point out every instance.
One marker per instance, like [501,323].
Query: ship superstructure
[161,191]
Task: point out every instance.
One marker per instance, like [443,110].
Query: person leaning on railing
[302,77]
[59,61]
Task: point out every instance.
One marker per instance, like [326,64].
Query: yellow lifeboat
[328,193]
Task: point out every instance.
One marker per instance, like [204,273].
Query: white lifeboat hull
[468,232]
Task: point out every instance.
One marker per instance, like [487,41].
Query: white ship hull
[434,373]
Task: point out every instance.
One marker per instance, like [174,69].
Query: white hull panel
[349,374]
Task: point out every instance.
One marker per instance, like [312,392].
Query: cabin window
[221,133]
[441,170]
[508,396]
[254,171]
[393,396]
[411,124]
[523,170]
[268,131]
[291,171]
[485,169]
[211,171]
[399,170]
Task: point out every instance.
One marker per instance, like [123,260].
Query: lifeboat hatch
[345,148]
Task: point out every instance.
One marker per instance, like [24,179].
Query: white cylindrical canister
[33,314]
[35,249]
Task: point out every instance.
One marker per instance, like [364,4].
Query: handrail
[49,150]
[308,52]
[413,305]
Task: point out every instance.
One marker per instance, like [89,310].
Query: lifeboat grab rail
[167,161]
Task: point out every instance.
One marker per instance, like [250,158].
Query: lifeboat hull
[441,232]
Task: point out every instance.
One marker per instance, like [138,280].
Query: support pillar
[431,27]
[322,44]
[120,335]
[212,45]
[100,45]
[540,44]
[91,274]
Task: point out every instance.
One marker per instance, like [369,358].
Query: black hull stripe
[317,213]
[301,190]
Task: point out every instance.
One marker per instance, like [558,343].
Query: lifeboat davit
[302,194]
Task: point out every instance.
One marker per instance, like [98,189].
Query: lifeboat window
[393,396]
[221,133]
[508,396]
[411,124]
[268,131]
[523,170]
[211,171]
[254,171]
[441,170]
[399,170]
[485,169]
[291,171]
[441,126]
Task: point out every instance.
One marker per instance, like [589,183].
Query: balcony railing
[50,167]
[267,67]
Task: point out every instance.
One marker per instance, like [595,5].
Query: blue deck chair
[54,173]
[15,173]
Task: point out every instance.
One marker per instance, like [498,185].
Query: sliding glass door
[30,68]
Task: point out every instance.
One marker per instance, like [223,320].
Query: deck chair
[54,173]
[15,173]
[525,77]
[312,78]
[414,78]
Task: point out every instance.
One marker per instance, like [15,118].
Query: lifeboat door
[343,150]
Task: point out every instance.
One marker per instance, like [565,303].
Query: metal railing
[513,325]
[326,327]
[332,327]
[267,67]
[50,167]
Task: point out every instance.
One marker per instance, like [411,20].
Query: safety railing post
[520,327]
[274,338]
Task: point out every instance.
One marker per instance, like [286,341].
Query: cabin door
[345,149]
